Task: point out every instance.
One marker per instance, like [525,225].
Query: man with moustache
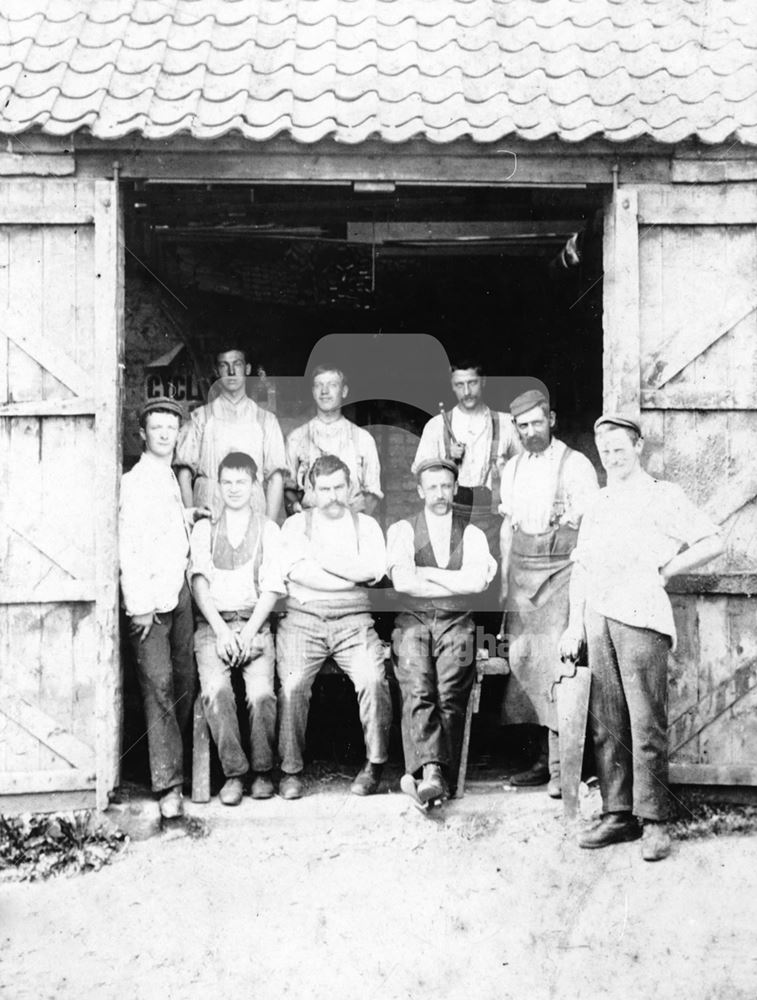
[436,561]
[329,556]
[544,493]
[636,534]
[153,548]
[231,421]
[330,433]
[479,441]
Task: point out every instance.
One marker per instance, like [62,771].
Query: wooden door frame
[109,367]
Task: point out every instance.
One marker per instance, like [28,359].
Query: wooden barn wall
[691,368]
[58,449]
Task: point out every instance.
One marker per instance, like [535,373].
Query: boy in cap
[153,540]
[544,493]
[637,534]
[236,581]
[436,560]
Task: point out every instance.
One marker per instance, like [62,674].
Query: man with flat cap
[153,543]
[636,534]
[436,561]
[544,493]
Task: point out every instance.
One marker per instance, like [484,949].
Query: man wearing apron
[236,580]
[544,494]
[479,441]
[436,562]
[330,433]
[231,421]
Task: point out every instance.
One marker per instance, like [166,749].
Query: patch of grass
[37,846]
[704,819]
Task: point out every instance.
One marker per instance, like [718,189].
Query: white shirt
[627,534]
[233,590]
[330,535]
[354,445]
[153,540]
[527,490]
[475,432]
[400,547]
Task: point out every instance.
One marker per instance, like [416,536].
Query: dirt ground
[341,898]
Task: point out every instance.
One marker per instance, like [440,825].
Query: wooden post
[108,314]
[622,348]
[200,754]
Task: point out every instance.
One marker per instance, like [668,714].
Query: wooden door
[681,348]
[59,464]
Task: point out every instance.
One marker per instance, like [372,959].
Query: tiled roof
[396,69]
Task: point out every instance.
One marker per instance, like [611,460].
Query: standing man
[637,534]
[153,543]
[231,421]
[544,493]
[329,556]
[329,433]
[437,561]
[479,441]
[236,581]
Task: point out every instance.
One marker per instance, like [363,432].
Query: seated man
[236,580]
[329,554]
[437,560]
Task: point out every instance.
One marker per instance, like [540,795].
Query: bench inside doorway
[486,666]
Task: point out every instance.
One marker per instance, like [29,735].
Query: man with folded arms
[637,534]
[436,561]
[330,554]
[236,580]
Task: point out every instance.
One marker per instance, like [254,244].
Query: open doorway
[279,267]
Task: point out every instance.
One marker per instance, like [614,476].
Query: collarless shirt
[400,547]
[528,485]
[627,535]
[153,539]
[354,445]
[476,434]
[329,535]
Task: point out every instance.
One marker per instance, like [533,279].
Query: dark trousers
[628,715]
[167,677]
[435,667]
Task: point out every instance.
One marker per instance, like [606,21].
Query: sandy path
[341,898]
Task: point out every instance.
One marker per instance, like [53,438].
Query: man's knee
[260,694]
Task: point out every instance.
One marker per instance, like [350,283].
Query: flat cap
[161,403]
[436,463]
[618,420]
[527,401]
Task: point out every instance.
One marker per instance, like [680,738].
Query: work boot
[171,803]
[537,774]
[613,828]
[554,788]
[367,780]
[655,841]
[432,785]
[232,792]
[262,786]
[291,786]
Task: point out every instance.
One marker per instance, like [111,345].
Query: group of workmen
[508,514]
